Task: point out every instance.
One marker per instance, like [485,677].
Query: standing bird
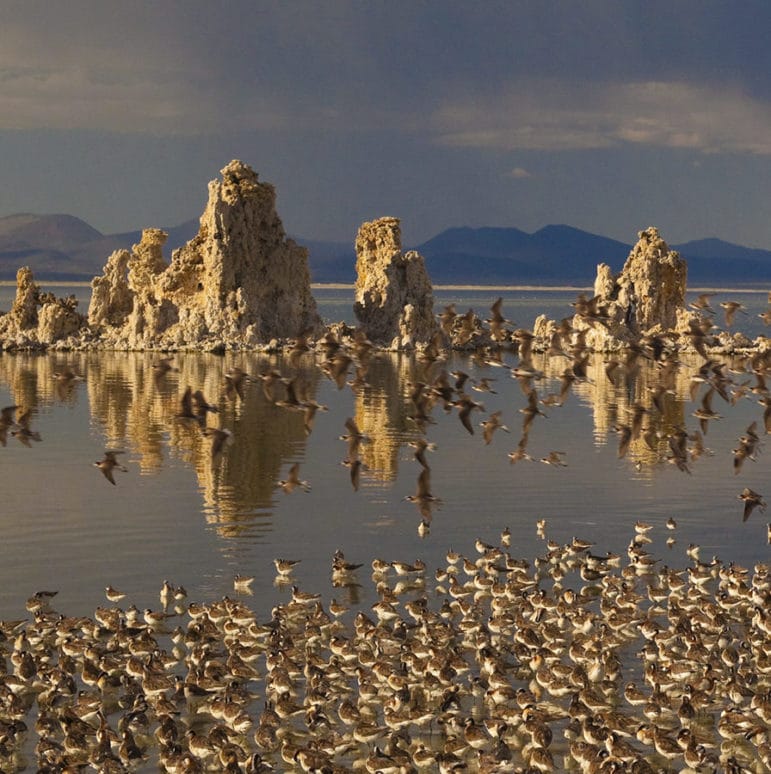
[109,463]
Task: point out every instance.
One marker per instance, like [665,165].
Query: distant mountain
[554,254]
[63,247]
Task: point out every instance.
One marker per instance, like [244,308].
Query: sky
[607,116]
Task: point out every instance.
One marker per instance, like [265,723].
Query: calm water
[174,515]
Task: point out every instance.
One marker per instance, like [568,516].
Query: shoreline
[480,288]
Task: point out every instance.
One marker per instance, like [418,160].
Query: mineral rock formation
[646,297]
[37,320]
[237,284]
[394,302]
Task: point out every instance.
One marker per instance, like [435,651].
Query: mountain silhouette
[64,247]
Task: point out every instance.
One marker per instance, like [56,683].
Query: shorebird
[497,321]
[731,308]
[235,380]
[299,347]
[705,411]
[242,583]
[520,453]
[285,566]
[748,444]
[678,445]
[309,414]
[751,501]
[465,406]
[112,594]
[554,458]
[421,446]
[423,497]
[65,379]
[701,303]
[447,318]
[269,381]
[109,463]
[491,424]
[337,368]
[293,481]
[354,437]
[531,411]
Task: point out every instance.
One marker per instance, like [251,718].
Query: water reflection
[381,410]
[645,407]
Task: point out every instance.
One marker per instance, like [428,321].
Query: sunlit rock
[646,297]
[239,283]
[38,319]
[111,298]
[394,301]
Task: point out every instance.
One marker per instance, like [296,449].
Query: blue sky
[607,116]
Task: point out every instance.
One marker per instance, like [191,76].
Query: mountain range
[64,247]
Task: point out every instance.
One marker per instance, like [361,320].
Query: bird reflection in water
[243,418]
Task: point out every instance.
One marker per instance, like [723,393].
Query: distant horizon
[312,238]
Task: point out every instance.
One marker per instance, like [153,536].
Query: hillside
[63,247]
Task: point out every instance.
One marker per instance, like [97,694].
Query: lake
[179,515]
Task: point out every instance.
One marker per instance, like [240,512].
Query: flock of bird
[493,343]
[570,660]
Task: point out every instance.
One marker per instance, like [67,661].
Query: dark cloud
[438,112]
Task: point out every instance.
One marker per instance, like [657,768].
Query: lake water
[176,516]
[180,516]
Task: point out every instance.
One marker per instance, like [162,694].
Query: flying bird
[751,500]
[731,308]
[293,481]
[109,463]
[491,424]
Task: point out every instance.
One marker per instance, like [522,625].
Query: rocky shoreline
[241,284]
